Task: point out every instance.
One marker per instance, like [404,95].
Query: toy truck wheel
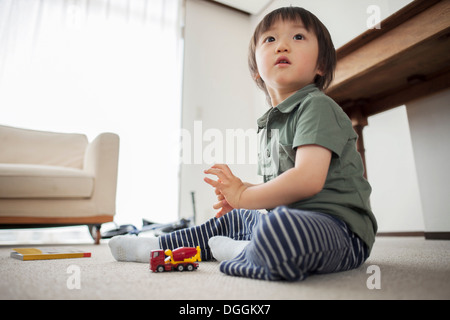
[190,267]
[180,267]
[160,268]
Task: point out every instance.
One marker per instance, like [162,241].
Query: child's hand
[228,185]
[223,204]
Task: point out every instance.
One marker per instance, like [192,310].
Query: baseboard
[402,234]
[437,235]
[423,234]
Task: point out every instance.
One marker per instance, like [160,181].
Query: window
[95,66]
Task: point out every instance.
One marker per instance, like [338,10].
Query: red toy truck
[179,259]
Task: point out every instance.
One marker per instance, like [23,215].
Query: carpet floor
[399,268]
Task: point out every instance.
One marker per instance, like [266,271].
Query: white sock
[133,248]
[224,248]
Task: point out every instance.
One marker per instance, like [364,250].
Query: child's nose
[282,47]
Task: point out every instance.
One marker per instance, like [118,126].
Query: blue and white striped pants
[285,244]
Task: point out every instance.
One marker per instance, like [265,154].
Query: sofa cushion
[42,181]
[42,147]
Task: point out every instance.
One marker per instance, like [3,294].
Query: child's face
[286,56]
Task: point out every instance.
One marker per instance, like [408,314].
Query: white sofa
[57,179]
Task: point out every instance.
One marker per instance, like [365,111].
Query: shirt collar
[289,104]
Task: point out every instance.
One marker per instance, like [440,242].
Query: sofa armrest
[101,160]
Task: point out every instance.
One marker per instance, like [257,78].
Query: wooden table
[406,59]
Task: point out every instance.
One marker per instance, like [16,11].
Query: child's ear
[319,72]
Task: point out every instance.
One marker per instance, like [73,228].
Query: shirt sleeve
[322,122]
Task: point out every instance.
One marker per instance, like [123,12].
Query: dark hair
[326,60]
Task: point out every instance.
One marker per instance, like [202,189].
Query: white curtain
[91,66]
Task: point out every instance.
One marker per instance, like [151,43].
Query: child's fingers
[211,182]
[218,193]
[218,205]
[217,172]
[221,212]
[223,167]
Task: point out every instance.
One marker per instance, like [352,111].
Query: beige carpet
[410,268]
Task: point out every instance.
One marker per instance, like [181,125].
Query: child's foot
[224,248]
[133,248]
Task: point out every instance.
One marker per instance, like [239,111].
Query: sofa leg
[95,232]
[98,236]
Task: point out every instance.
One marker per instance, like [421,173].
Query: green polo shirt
[311,117]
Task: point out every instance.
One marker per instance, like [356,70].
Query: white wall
[391,172]
[429,120]
[216,88]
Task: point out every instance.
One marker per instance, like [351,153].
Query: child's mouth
[282,61]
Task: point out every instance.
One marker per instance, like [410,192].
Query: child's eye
[269,39]
[299,37]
